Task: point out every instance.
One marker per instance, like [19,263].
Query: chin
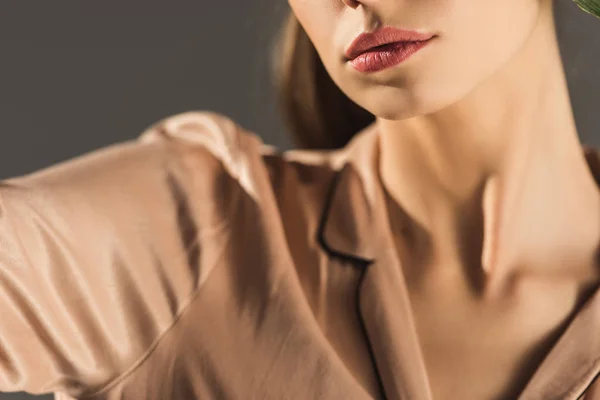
[395,104]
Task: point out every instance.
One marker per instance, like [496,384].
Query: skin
[480,150]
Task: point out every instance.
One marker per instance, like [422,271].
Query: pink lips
[386,47]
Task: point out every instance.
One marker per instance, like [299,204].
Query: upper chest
[495,345]
[259,330]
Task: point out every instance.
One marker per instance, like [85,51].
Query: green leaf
[589,6]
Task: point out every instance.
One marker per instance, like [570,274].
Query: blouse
[197,262]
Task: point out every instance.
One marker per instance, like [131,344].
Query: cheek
[489,35]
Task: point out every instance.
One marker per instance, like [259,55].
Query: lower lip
[386,56]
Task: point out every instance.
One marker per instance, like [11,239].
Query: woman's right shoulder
[216,135]
[122,236]
[195,153]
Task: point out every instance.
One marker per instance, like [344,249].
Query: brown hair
[318,114]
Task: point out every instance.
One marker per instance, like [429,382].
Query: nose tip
[351,3]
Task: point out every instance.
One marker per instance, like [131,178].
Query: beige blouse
[197,262]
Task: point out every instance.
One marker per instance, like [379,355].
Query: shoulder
[222,138]
[215,135]
[121,236]
[192,155]
[208,143]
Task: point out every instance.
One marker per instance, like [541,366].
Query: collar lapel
[347,220]
[354,228]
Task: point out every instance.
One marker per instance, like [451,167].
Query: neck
[501,171]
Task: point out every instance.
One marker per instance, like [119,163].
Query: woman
[445,247]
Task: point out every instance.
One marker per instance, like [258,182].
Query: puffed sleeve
[99,254]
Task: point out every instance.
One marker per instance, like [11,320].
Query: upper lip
[385,35]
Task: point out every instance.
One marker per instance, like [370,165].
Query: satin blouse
[197,262]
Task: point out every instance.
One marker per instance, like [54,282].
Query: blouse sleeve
[100,253]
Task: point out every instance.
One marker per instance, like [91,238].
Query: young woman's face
[474,38]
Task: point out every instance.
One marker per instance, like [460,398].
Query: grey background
[75,76]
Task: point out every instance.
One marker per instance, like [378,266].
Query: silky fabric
[197,262]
